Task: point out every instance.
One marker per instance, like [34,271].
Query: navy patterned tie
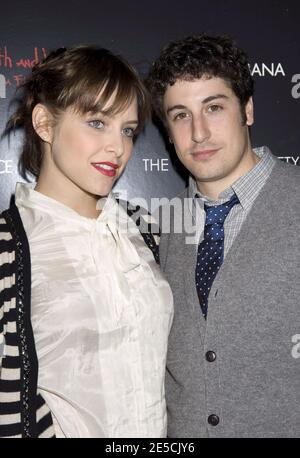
[211,249]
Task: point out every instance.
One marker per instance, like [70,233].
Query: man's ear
[249,111]
[42,121]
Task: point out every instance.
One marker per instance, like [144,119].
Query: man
[233,365]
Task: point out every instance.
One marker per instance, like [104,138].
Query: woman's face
[88,152]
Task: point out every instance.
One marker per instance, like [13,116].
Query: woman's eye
[96,124]
[128,132]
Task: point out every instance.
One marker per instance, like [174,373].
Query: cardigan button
[213,420]
[210,356]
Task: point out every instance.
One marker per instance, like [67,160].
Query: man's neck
[213,189]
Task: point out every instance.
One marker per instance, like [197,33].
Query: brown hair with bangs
[84,78]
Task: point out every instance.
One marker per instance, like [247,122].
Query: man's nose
[200,129]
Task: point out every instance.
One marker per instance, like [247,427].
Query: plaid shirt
[246,188]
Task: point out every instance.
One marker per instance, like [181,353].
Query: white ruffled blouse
[101,315]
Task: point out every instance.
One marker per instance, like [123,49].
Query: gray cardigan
[253,325]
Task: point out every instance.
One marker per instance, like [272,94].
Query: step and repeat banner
[268,30]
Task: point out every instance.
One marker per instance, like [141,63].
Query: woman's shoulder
[13,238]
[10,221]
[7,249]
[5,229]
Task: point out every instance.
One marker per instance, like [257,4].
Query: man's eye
[96,124]
[128,132]
[180,116]
[214,108]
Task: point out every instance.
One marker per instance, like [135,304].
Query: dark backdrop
[268,30]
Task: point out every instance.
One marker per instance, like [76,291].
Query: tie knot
[216,214]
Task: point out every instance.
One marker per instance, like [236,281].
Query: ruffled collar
[113,220]
[26,196]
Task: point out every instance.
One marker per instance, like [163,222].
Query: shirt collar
[27,196]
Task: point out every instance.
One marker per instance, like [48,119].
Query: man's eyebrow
[214,97]
[175,107]
[206,100]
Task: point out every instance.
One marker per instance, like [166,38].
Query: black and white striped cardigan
[23,411]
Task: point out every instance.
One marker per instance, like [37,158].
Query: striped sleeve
[44,419]
[10,383]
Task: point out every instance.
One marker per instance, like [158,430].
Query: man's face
[205,124]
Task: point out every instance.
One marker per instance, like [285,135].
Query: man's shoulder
[168,202]
[282,192]
[286,168]
[286,177]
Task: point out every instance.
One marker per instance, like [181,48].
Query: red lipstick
[106,168]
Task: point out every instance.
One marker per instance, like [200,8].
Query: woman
[85,311]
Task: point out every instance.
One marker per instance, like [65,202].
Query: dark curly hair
[196,56]
[74,77]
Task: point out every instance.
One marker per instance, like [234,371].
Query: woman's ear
[42,122]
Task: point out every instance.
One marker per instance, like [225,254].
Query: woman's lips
[106,168]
